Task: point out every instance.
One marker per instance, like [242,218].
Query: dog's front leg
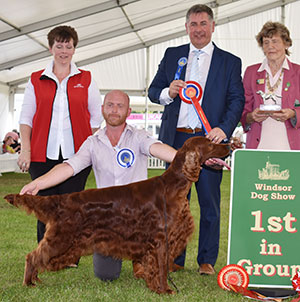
[31,272]
[162,259]
[156,269]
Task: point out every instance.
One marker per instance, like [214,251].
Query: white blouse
[270,127]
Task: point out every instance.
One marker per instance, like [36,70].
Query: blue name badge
[125,158]
[181,62]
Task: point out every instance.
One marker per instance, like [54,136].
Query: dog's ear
[191,166]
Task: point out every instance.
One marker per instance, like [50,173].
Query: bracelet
[25,150]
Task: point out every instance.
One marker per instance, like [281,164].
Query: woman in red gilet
[61,108]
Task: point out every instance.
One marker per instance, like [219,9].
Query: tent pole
[11,101]
[147,86]
[283,13]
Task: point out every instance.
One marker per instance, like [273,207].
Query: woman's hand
[31,188]
[25,155]
[24,160]
[283,115]
[256,116]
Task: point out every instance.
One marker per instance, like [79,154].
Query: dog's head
[196,151]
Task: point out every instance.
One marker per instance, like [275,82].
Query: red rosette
[296,282]
[192,95]
[233,274]
[192,90]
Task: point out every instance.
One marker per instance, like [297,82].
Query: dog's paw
[29,284]
[170,291]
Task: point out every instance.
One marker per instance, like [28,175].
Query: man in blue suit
[219,74]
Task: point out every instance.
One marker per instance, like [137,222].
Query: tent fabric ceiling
[117,33]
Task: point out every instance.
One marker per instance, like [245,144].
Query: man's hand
[175,87]
[216,163]
[216,135]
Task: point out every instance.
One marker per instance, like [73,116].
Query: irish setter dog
[127,222]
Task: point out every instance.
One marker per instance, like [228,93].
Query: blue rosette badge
[181,62]
[125,158]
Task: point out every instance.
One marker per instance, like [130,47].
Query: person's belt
[189,130]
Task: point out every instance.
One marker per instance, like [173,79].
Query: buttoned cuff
[164,97]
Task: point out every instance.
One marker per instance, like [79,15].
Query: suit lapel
[260,82]
[213,69]
[288,76]
[184,54]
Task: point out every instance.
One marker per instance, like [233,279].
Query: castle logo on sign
[272,172]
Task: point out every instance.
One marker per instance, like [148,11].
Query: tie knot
[196,53]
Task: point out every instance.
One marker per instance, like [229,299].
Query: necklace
[273,88]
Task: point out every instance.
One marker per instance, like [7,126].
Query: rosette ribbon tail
[296,285]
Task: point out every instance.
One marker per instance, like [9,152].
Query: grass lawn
[18,237]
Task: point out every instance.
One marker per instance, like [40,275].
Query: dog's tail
[10,198]
[41,206]
[18,200]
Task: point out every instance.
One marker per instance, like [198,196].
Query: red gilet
[45,90]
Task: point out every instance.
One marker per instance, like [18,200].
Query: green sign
[265,216]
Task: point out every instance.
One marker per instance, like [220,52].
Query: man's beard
[114,121]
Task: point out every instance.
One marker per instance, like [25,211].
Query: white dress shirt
[99,152]
[204,64]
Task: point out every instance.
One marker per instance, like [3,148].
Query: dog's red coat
[123,222]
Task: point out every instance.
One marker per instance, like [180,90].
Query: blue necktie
[193,118]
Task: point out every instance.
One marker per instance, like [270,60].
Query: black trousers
[73,184]
[106,268]
[208,193]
